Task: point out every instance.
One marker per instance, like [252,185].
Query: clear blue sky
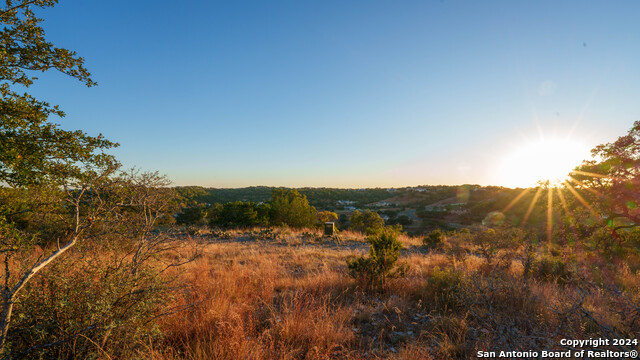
[343,93]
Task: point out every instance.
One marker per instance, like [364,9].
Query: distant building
[418,189]
[384,203]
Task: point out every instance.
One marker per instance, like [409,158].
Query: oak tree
[614,174]
[35,152]
[288,207]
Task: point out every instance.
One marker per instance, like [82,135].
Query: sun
[544,160]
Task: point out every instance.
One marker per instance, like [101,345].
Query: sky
[344,93]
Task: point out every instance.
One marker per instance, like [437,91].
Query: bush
[87,305]
[498,245]
[434,239]
[381,265]
[551,268]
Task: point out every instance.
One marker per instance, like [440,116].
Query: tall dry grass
[256,301]
[292,298]
[255,295]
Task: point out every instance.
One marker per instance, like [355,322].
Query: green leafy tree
[32,149]
[193,215]
[615,175]
[290,208]
[190,195]
[366,221]
[77,206]
[111,296]
[241,214]
[326,216]
[65,168]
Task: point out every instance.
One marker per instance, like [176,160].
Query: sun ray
[583,201]
[587,173]
[515,200]
[576,245]
[563,201]
[588,188]
[549,214]
[530,209]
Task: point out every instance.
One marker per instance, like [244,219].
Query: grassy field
[290,296]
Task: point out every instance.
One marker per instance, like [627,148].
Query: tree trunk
[10,295]
[7,308]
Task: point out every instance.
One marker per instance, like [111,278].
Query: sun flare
[543,160]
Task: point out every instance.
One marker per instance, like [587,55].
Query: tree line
[287,207]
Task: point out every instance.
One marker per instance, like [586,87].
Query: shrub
[434,239]
[381,264]
[457,245]
[498,244]
[89,304]
[550,268]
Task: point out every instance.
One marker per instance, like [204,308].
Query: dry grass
[264,301]
[290,297]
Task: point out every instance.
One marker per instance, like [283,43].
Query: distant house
[418,189]
[384,203]
[346,202]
